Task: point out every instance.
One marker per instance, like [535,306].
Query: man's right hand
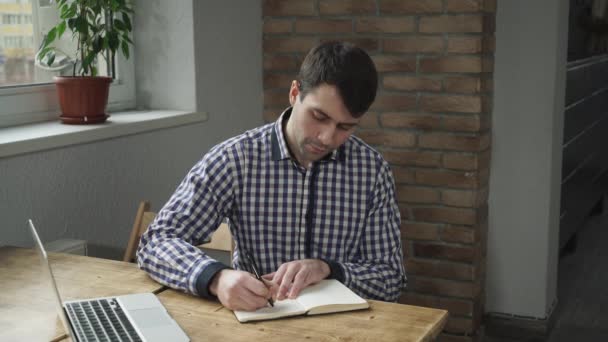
[239,290]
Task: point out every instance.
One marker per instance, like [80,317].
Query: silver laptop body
[135,317]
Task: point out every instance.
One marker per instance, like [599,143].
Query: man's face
[318,124]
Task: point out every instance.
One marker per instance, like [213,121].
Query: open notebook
[327,296]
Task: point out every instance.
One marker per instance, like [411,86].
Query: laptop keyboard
[100,320]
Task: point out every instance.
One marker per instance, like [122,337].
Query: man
[306,198]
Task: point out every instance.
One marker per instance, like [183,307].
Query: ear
[294,91]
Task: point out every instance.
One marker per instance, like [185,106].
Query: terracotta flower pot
[83,100]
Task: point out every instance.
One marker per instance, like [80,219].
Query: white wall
[529,79]
[91,191]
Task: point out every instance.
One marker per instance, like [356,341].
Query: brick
[443,337]
[443,287]
[280,63]
[369,120]
[489,23]
[276,99]
[459,325]
[451,23]
[417,194]
[462,84]
[385,25]
[459,6]
[407,120]
[274,80]
[448,141]
[460,161]
[489,5]
[345,7]
[277,26]
[410,7]
[288,8]
[451,103]
[412,158]
[291,44]
[488,44]
[456,306]
[324,26]
[439,269]
[411,83]
[417,299]
[471,64]
[452,179]
[394,63]
[462,123]
[404,211]
[445,215]
[420,231]
[271,115]
[469,44]
[413,44]
[436,251]
[388,138]
[402,175]
[368,44]
[459,198]
[458,234]
[487,84]
[394,102]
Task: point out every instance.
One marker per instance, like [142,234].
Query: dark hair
[345,66]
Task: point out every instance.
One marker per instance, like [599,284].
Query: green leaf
[127,21]
[72,24]
[113,40]
[50,58]
[60,29]
[50,37]
[118,24]
[126,37]
[125,49]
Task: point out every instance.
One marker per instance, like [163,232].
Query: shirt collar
[279,144]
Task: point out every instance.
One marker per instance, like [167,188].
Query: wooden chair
[221,240]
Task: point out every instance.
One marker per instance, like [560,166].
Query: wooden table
[204,320]
[27,308]
[28,313]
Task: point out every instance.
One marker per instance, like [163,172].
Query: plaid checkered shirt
[341,210]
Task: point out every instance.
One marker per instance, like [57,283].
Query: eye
[346,127]
[318,115]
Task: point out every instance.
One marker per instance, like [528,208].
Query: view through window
[17,49]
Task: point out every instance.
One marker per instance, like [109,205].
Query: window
[27,93]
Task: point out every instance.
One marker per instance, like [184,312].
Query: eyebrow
[350,124]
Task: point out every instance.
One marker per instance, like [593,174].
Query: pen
[254,267]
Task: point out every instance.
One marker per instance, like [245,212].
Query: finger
[300,281]
[278,275]
[269,276]
[258,288]
[273,289]
[248,301]
[286,282]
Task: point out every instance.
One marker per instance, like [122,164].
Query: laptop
[135,317]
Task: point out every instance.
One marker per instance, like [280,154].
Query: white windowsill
[52,134]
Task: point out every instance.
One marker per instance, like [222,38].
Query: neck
[291,143]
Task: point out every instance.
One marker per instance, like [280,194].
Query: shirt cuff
[204,279]
[336,271]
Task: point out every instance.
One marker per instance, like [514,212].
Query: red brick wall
[431,121]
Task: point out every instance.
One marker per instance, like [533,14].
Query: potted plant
[100,28]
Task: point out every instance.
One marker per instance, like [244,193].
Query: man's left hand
[294,276]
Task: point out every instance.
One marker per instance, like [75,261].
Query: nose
[326,135]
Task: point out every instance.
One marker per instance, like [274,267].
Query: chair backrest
[143,218]
[220,240]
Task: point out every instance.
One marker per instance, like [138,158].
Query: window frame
[35,102]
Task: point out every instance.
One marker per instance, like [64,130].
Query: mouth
[317,150]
